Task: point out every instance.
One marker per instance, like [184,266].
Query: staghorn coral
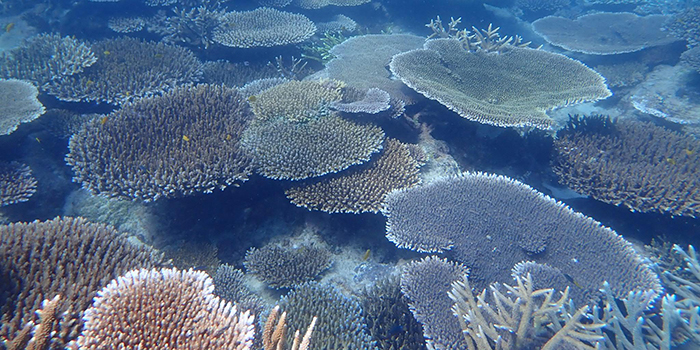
[385,310]
[340,323]
[128,69]
[287,150]
[604,33]
[17,184]
[685,25]
[636,164]
[490,223]
[164,308]
[37,335]
[515,88]
[286,265]
[425,283]
[520,317]
[78,257]
[46,57]
[361,189]
[178,144]
[126,24]
[274,333]
[20,104]
[361,62]
[484,40]
[296,101]
[262,27]
[371,101]
[317,4]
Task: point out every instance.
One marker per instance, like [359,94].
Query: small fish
[37,139]
[106,52]
[103,120]
[89,82]
[159,55]
[185,138]
[571,279]
[689,152]
[9,26]
[670,161]
[252,98]
[366,255]
[229,137]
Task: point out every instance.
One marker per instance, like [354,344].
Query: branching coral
[636,164]
[296,101]
[184,142]
[285,266]
[262,27]
[515,88]
[17,184]
[484,40]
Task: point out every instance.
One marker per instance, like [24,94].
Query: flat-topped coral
[640,165]
[514,88]
[286,266]
[604,33]
[164,308]
[361,62]
[78,256]
[296,101]
[17,184]
[183,142]
[127,69]
[19,104]
[262,27]
[361,189]
[46,57]
[291,150]
[371,101]
[490,223]
[317,4]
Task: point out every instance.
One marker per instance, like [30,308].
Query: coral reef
[17,184]
[515,88]
[340,323]
[691,58]
[361,62]
[371,101]
[541,5]
[686,25]
[20,104]
[126,24]
[642,166]
[361,189]
[262,27]
[230,285]
[296,151]
[256,87]
[426,283]
[490,223]
[484,40]
[46,57]
[317,4]
[287,265]
[275,330]
[128,69]
[37,335]
[622,74]
[665,94]
[183,142]
[339,24]
[389,320]
[296,101]
[235,74]
[195,27]
[70,257]
[604,33]
[164,308]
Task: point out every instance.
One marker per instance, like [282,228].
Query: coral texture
[296,101]
[230,285]
[426,283]
[126,24]
[372,101]
[361,189]
[361,62]
[340,323]
[514,88]
[295,151]
[235,74]
[128,69]
[46,57]
[317,4]
[262,27]
[17,184]
[164,308]
[686,25]
[284,266]
[490,223]
[184,142]
[642,166]
[19,104]
[70,257]
[691,58]
[339,24]
[604,33]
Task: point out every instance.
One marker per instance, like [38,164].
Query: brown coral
[184,142]
[361,189]
[66,256]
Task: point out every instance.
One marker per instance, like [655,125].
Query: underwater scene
[350,174]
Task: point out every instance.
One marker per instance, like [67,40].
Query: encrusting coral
[17,184]
[183,142]
[78,257]
[640,165]
[164,308]
[514,88]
